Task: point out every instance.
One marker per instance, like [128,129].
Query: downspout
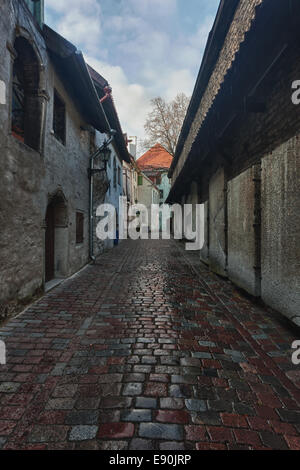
[112,133]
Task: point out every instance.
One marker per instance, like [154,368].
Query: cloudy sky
[144,48]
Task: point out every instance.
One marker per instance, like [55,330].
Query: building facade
[155,164]
[49,114]
[238,152]
[119,155]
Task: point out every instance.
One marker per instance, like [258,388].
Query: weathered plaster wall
[217,209]
[66,169]
[280,229]
[241,233]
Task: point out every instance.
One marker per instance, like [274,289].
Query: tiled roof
[156,157]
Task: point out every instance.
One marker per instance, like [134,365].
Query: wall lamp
[104,154]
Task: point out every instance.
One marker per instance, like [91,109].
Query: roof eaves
[213,48]
[111,112]
[76,77]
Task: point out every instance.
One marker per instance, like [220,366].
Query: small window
[79,228]
[140,180]
[119,175]
[59,118]
[161,194]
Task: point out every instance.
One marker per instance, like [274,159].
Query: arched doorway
[56,238]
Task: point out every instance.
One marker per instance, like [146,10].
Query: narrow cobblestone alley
[148,350]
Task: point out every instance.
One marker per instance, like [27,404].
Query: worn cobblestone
[158,354]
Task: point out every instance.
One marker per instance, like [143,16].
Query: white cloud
[138,46]
[80,24]
[152,8]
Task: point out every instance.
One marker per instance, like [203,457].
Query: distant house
[155,165]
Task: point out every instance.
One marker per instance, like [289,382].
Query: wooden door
[49,244]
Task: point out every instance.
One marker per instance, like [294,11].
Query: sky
[144,48]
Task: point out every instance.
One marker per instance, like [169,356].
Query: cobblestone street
[148,350]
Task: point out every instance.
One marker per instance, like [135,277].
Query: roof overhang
[263,47]
[211,54]
[72,70]
[111,113]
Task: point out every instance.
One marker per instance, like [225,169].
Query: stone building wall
[217,211]
[281,229]
[246,159]
[204,253]
[241,194]
[30,178]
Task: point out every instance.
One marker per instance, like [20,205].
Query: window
[158,179]
[119,175]
[79,227]
[26,103]
[161,194]
[59,118]
[140,180]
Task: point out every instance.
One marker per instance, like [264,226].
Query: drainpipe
[91,171]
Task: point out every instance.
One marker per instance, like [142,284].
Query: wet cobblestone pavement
[148,350]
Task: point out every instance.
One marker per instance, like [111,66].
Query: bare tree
[164,122]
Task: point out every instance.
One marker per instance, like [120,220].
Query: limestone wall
[241,232]
[281,229]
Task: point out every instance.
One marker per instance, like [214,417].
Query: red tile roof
[156,157]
